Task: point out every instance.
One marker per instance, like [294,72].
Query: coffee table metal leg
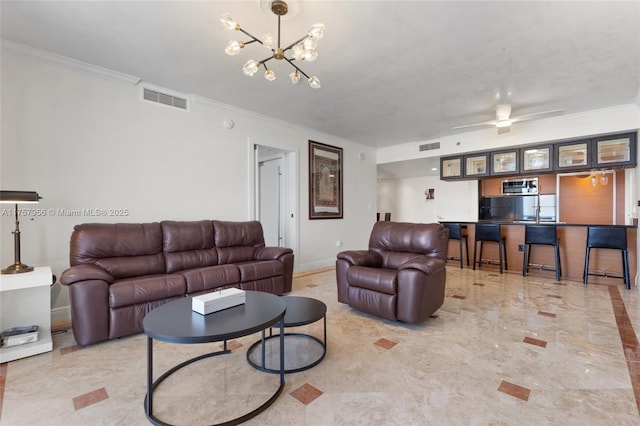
[281,352]
[149,376]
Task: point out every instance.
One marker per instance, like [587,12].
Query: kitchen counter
[572,239]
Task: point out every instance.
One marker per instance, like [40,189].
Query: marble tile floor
[502,350]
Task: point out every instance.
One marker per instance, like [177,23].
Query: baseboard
[60,315]
[313,272]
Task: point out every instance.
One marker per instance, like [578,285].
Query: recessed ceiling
[391,71]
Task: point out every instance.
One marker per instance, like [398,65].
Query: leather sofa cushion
[122,249]
[421,238]
[376,279]
[374,302]
[133,291]
[212,277]
[394,259]
[188,245]
[237,241]
[258,270]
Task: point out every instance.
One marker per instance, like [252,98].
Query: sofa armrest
[362,258]
[271,253]
[425,264]
[85,272]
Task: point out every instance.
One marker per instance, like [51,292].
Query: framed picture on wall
[325,181]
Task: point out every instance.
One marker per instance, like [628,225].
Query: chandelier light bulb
[295,77]
[310,55]
[316,31]
[270,75]
[309,43]
[250,68]
[229,23]
[297,52]
[314,82]
[267,41]
[594,180]
[604,179]
[233,47]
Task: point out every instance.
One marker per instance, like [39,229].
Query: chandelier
[303,49]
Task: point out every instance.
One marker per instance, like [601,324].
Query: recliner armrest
[85,272]
[425,264]
[362,258]
[271,253]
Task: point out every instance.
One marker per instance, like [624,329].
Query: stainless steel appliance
[516,208]
[522,186]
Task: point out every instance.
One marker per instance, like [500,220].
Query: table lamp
[18,197]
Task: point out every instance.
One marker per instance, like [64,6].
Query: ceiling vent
[430,146]
[165,99]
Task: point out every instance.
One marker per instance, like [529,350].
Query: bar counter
[572,241]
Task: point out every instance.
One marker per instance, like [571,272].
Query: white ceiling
[391,71]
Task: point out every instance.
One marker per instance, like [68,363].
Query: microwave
[524,186]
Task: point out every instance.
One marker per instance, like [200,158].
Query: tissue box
[218,300]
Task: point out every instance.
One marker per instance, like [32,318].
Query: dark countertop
[524,222]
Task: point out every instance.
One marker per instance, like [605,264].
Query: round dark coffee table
[300,311]
[176,322]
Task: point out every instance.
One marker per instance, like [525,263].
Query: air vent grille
[165,99]
[430,146]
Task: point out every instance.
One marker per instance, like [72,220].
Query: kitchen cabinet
[572,155]
[451,168]
[475,165]
[614,151]
[536,159]
[504,162]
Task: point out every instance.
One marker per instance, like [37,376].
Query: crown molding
[83,67]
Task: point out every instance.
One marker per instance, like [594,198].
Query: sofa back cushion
[122,249]
[399,242]
[237,241]
[188,245]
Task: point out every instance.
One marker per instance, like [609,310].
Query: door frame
[291,187]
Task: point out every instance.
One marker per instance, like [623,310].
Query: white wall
[405,199]
[88,142]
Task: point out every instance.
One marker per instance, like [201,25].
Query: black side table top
[176,322]
[303,310]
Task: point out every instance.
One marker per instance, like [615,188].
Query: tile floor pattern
[503,349]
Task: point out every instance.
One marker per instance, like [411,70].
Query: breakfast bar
[605,265]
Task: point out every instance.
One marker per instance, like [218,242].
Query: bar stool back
[608,237]
[457,233]
[543,235]
[490,232]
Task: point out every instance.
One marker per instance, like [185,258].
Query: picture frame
[325,181]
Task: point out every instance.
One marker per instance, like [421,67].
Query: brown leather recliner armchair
[402,275]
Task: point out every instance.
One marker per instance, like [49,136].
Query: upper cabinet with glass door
[536,159]
[451,168]
[572,155]
[614,151]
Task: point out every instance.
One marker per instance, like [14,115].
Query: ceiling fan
[503,120]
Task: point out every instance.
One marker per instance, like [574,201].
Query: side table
[25,299]
[300,311]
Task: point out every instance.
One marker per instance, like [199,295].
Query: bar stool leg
[558,267]
[625,269]
[475,246]
[461,253]
[525,262]
[504,247]
[466,245]
[585,274]
[500,254]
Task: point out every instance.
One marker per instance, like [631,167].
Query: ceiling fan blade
[536,114]
[486,123]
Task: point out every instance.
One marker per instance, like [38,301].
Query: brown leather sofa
[120,272]
[402,275]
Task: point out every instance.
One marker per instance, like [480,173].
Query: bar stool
[543,235]
[609,237]
[489,232]
[456,233]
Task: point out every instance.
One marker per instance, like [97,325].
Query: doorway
[275,195]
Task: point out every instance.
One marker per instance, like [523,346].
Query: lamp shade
[16,197]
